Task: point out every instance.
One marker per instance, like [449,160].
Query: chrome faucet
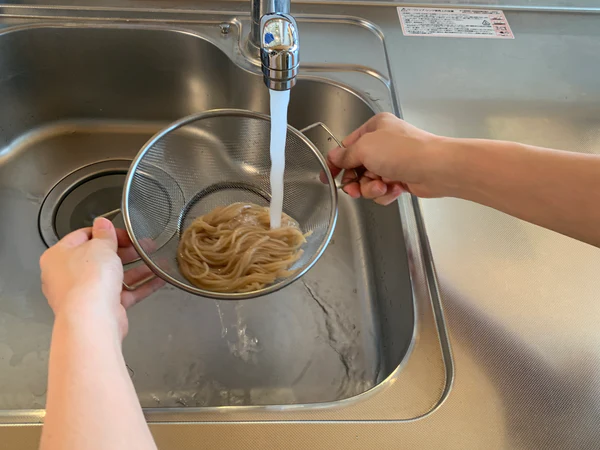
[275,33]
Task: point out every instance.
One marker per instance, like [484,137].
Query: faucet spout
[274,35]
[279,48]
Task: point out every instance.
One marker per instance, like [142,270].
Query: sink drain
[80,197]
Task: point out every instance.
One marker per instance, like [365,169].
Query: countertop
[521,303]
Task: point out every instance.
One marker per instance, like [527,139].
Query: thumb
[104,230]
[346,158]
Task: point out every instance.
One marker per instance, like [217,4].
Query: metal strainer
[216,158]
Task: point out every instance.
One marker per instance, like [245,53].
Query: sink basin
[78,102]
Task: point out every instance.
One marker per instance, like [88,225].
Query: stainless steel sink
[78,102]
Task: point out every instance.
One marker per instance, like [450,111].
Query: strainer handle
[128,287]
[133,287]
[357,172]
[326,128]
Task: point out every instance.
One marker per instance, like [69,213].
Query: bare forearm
[91,400]
[554,189]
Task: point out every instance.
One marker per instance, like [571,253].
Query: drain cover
[80,197]
[98,196]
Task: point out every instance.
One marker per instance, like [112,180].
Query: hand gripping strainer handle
[128,287]
[357,172]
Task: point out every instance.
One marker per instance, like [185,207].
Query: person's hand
[390,156]
[82,275]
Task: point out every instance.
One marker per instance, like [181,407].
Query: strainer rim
[230,295]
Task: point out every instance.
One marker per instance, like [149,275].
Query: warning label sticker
[447,22]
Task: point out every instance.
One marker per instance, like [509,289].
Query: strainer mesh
[214,160]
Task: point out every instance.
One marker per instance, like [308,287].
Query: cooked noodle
[233,249]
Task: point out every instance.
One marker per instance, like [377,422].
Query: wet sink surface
[338,331]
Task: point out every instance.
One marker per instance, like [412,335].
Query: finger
[130,278]
[372,189]
[346,158]
[125,250]
[127,254]
[122,238]
[130,298]
[76,238]
[352,189]
[136,274]
[333,169]
[104,230]
[350,176]
[368,127]
[323,175]
[393,193]
[371,175]
[353,137]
